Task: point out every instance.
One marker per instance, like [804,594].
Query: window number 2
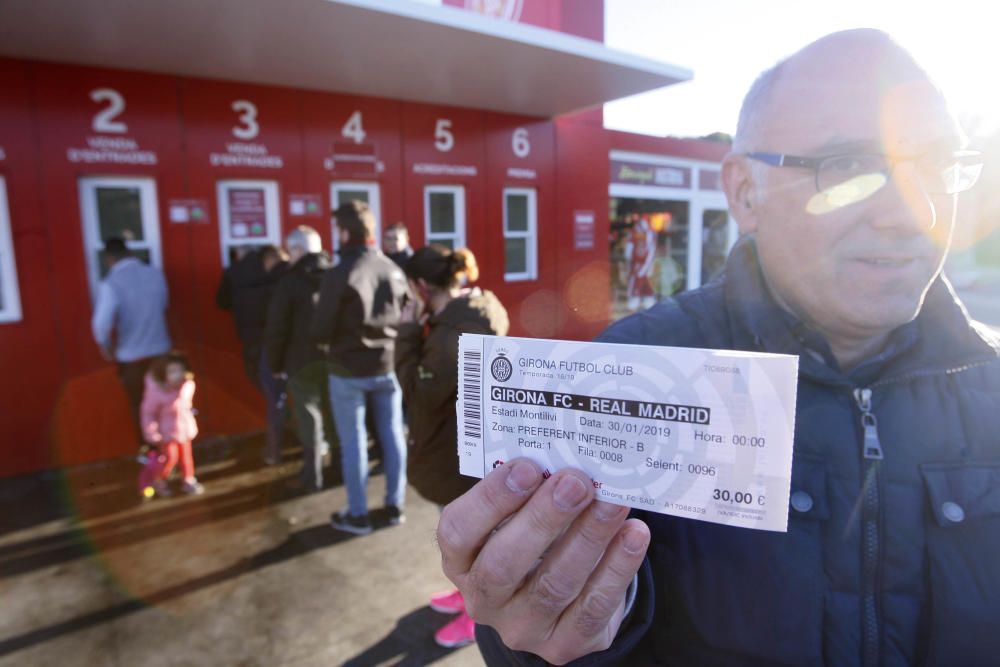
[444,140]
[104,120]
[248,117]
[354,128]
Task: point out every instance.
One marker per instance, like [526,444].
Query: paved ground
[248,574]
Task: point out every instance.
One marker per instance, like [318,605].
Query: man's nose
[909,205]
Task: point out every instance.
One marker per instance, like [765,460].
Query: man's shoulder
[691,319]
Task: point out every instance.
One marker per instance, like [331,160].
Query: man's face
[860,268]
[394,241]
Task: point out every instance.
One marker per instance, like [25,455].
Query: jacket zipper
[872,455]
[871,452]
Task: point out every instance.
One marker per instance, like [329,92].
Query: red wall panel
[267,130]
[582,185]
[430,157]
[73,145]
[520,153]
[31,359]
[368,128]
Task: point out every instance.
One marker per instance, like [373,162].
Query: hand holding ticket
[702,434]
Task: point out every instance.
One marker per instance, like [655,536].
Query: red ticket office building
[193,129]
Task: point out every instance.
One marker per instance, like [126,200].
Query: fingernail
[607,511]
[569,492]
[634,541]
[522,477]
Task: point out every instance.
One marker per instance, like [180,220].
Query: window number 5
[519,142]
[444,140]
[104,120]
[248,117]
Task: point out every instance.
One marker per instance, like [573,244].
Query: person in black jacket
[359,308]
[843,179]
[293,354]
[245,289]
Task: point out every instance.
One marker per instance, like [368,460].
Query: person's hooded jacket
[427,367]
[287,342]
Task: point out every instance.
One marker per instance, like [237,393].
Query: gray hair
[304,238]
[753,109]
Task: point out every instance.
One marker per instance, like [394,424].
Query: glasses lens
[839,169]
[958,175]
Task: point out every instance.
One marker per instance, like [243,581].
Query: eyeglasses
[945,174]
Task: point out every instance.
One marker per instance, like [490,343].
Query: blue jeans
[347,399]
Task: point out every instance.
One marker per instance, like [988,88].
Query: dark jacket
[287,342]
[888,573]
[427,367]
[359,307]
[245,288]
[402,257]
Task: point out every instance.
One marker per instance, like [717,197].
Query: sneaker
[394,515]
[348,523]
[191,487]
[459,632]
[161,488]
[448,602]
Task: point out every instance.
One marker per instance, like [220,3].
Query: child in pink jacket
[168,423]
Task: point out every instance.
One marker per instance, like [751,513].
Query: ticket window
[125,208]
[345,191]
[520,234]
[444,215]
[249,217]
[10,298]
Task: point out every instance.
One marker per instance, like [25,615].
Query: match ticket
[701,434]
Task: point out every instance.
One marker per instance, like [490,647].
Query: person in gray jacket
[129,321]
[843,178]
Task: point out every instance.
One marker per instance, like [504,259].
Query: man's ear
[740,189]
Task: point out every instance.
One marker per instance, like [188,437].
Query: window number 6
[248,116]
[519,142]
[105,121]
[444,140]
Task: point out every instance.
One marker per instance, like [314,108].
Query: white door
[342,192]
[249,215]
[125,208]
[10,296]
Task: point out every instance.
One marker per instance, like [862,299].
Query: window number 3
[104,120]
[444,140]
[248,117]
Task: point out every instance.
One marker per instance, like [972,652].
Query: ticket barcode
[472,393]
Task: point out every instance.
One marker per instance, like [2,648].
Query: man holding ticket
[883,545]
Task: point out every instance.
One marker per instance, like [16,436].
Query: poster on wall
[247,213]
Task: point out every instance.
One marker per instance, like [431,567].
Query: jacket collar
[942,337]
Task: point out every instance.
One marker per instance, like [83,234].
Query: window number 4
[444,140]
[353,128]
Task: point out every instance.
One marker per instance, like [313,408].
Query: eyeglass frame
[802,162]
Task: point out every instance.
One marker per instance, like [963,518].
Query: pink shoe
[448,602]
[461,631]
